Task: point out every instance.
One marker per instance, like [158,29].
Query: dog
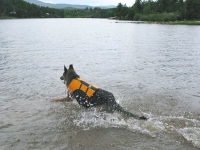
[89,95]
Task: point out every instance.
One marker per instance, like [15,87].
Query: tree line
[22,9]
[144,10]
[160,10]
[90,13]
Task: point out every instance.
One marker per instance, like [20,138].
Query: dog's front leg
[67,98]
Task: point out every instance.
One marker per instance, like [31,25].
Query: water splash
[191,134]
[187,128]
[93,119]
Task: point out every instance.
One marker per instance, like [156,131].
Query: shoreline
[188,22]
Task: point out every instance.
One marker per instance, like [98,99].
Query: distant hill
[22,9]
[62,6]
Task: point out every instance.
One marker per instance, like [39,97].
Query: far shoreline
[183,22]
[186,22]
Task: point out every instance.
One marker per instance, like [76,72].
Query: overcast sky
[91,2]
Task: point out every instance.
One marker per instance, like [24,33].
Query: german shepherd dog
[89,95]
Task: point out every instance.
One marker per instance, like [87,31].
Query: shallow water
[151,69]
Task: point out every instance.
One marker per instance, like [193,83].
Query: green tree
[192,9]
[138,6]
[122,11]
[119,10]
[146,10]
[131,13]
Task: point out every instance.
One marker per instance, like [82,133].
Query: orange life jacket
[77,83]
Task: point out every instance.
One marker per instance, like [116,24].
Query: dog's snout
[61,78]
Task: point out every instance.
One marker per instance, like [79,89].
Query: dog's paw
[143,118]
[56,99]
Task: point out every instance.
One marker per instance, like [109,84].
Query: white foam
[188,128]
[191,134]
[92,119]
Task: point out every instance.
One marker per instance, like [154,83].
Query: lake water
[151,69]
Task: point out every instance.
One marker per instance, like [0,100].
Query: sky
[91,2]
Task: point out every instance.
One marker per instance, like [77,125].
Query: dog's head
[66,73]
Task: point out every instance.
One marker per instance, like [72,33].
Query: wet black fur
[99,97]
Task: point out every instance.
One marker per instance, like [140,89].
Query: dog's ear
[71,66]
[65,69]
